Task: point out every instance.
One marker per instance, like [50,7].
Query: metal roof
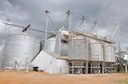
[57,56]
[86,34]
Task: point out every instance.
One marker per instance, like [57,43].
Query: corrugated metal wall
[19,49]
[61,47]
[78,49]
[109,54]
[96,52]
[50,64]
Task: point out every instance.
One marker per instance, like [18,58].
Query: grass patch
[122,82]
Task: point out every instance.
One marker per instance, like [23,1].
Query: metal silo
[78,49]
[19,50]
[96,58]
[96,52]
[109,54]
[61,47]
[50,44]
[78,55]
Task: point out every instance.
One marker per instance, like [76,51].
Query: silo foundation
[78,67]
[96,67]
[109,67]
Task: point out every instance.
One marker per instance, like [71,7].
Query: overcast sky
[107,12]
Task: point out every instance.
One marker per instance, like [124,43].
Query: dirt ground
[15,77]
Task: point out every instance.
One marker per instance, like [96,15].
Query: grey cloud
[32,11]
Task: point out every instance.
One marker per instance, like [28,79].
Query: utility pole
[46,27]
[27,64]
[69,19]
[51,67]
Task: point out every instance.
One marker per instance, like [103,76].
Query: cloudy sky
[107,12]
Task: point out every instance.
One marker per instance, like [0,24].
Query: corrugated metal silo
[109,54]
[50,44]
[61,45]
[19,50]
[96,52]
[78,49]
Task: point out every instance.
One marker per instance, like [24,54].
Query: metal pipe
[81,66]
[46,27]
[69,19]
[59,35]
[86,67]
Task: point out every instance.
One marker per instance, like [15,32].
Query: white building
[50,62]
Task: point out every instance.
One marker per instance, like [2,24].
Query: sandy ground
[11,77]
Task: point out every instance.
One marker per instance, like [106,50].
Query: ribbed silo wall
[109,54]
[19,50]
[78,49]
[96,52]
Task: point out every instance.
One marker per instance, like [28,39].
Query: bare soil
[15,77]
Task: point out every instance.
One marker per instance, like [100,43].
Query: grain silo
[61,47]
[109,58]
[50,44]
[96,57]
[96,52]
[78,49]
[19,50]
[78,54]
[109,54]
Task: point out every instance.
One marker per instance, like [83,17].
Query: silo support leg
[91,68]
[126,68]
[86,67]
[103,68]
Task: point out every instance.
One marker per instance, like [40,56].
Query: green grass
[122,82]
